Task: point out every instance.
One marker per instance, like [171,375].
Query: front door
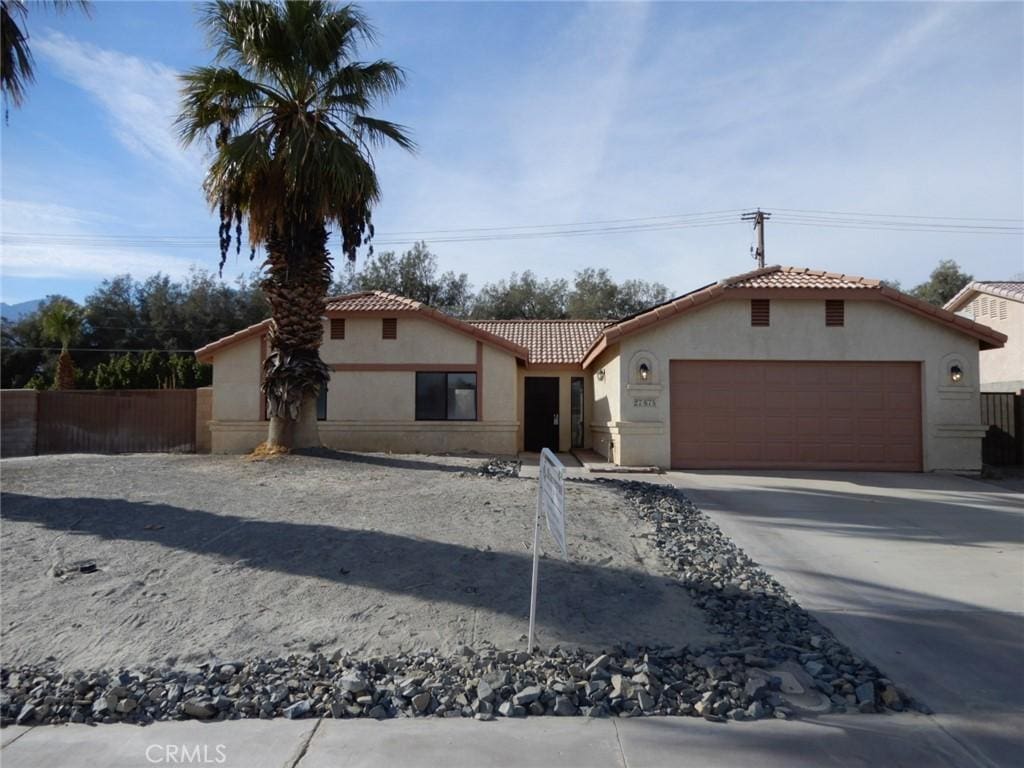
[540,413]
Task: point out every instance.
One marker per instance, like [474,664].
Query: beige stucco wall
[419,341]
[1002,370]
[874,330]
[236,382]
[375,410]
[565,377]
[604,378]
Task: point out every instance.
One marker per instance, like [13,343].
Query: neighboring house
[777,368]
[999,305]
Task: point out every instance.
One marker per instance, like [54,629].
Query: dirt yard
[198,556]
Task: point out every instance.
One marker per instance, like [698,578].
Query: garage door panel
[793,414]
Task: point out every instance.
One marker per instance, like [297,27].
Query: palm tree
[62,321]
[286,106]
[15,56]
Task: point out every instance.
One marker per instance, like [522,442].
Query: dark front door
[540,413]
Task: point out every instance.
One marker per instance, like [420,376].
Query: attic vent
[759,312]
[390,328]
[337,327]
[1002,309]
[835,312]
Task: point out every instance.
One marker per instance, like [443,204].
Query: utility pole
[759,217]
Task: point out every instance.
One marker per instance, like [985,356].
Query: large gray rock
[421,701]
[299,709]
[355,682]
[528,695]
[865,692]
[201,709]
[564,707]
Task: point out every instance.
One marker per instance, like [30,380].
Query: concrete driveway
[921,574]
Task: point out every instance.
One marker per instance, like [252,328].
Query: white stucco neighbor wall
[873,331]
[1002,370]
[375,410]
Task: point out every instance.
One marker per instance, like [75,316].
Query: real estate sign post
[550,502]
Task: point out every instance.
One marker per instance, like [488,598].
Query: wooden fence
[117,421]
[1003,444]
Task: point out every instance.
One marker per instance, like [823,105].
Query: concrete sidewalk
[843,740]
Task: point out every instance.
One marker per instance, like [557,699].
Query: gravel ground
[120,561]
[770,659]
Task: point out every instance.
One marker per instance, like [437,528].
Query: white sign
[552,497]
[550,501]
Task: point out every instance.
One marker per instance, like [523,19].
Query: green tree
[288,109]
[414,275]
[16,65]
[523,297]
[638,295]
[62,322]
[596,295]
[945,282]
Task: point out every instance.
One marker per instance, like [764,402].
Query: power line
[896,215]
[667,222]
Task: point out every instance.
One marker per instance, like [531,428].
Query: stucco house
[782,367]
[999,305]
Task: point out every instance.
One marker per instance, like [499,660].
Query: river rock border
[777,661]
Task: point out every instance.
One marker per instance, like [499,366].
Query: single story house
[781,367]
[999,305]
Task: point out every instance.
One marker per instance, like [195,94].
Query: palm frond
[380,132]
[15,56]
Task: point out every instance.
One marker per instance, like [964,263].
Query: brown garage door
[798,415]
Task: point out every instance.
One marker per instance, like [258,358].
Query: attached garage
[754,414]
[791,368]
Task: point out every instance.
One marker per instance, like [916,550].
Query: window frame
[447,391]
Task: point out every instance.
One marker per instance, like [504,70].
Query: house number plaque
[645,402]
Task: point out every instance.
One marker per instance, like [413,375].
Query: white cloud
[55,245]
[140,98]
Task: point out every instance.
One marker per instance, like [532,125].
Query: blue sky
[555,113]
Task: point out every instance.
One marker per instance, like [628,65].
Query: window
[389,328]
[759,312]
[835,312]
[446,396]
[337,327]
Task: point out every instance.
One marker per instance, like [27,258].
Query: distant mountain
[17,311]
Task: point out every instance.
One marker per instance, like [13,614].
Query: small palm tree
[15,56]
[62,322]
[287,108]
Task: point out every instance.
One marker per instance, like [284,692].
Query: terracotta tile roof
[1006,289]
[371,301]
[549,342]
[796,277]
[377,301]
[776,278]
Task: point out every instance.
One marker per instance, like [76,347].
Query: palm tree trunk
[298,274]
[65,378]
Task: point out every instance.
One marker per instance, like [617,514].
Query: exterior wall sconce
[956,374]
[600,374]
[644,371]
